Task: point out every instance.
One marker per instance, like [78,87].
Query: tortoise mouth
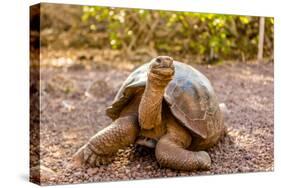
[163,71]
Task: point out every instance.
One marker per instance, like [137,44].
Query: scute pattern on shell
[190,96]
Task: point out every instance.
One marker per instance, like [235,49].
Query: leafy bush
[206,35]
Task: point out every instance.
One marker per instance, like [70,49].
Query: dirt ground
[73,102]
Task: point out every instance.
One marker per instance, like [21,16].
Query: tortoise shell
[190,96]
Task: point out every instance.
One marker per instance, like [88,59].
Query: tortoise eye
[158,60]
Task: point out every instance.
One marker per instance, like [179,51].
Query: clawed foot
[86,156]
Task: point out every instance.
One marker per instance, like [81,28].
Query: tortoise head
[162,66]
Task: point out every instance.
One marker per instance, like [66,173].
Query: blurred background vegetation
[205,37]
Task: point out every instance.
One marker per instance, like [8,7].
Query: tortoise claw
[81,156]
[96,160]
[92,160]
[150,143]
[204,160]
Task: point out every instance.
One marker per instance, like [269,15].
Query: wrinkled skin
[147,121]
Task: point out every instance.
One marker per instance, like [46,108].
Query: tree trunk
[261,39]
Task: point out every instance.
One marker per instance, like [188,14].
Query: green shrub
[206,35]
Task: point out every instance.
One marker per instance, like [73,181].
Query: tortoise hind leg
[170,150]
[101,148]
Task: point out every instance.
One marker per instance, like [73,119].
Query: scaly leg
[103,146]
[171,150]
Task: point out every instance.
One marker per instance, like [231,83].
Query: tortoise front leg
[101,148]
[171,150]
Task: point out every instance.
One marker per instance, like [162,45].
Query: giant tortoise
[166,105]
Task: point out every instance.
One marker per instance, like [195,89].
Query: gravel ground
[72,110]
